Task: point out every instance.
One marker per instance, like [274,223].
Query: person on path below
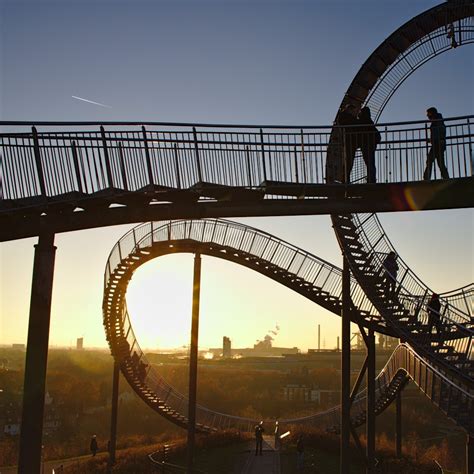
[300,453]
[94,446]
[277,436]
[259,438]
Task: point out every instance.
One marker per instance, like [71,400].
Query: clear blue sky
[281,62]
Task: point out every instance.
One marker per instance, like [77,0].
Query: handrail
[140,242]
[203,124]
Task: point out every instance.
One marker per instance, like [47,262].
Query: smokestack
[319,337]
[337,344]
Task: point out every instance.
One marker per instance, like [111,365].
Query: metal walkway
[72,180]
[442,367]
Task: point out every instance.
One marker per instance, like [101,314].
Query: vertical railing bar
[16,175]
[76,166]
[249,172]
[122,166]
[176,158]
[303,158]
[106,157]
[39,166]
[147,157]
[296,165]
[262,147]
[196,149]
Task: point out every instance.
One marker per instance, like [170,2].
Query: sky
[227,61]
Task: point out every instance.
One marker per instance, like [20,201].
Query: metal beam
[193,359]
[360,377]
[37,355]
[398,424]
[22,223]
[113,416]
[470,454]
[345,369]
[370,422]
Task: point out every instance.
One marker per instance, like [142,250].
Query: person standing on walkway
[434,318]
[368,137]
[438,144]
[347,118]
[259,438]
[94,446]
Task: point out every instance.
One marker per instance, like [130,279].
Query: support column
[470,454]
[345,369]
[398,424]
[193,359]
[113,417]
[29,461]
[370,425]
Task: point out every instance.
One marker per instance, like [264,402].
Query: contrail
[91,102]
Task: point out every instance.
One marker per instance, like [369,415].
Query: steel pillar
[193,359]
[398,424]
[29,461]
[345,369]
[370,422]
[113,416]
[470,454]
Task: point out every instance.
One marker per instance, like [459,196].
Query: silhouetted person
[368,137]
[438,144]
[434,318]
[259,438]
[277,435]
[142,371]
[94,446]
[135,359]
[390,272]
[347,118]
[300,453]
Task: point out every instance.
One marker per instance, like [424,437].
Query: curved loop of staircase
[403,365]
[312,277]
[362,237]
[461,298]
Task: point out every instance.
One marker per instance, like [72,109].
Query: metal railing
[160,460]
[60,164]
[231,238]
[412,293]
[404,362]
[248,241]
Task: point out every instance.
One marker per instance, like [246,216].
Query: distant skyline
[282,62]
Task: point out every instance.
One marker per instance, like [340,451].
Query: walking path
[267,463]
[49,466]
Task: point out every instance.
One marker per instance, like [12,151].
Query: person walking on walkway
[259,438]
[390,272]
[368,137]
[434,318]
[438,144]
[94,446]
